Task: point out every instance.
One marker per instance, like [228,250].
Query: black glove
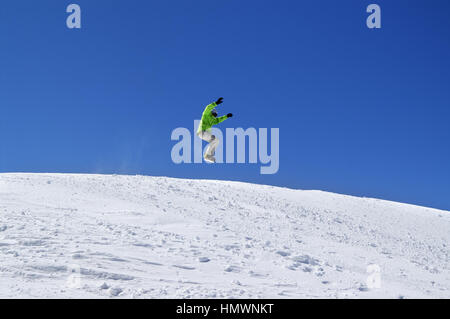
[229,115]
[219,101]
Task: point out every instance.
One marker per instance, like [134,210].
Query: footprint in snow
[184,267]
[283,253]
[104,286]
[306,259]
[152,263]
[232,269]
[363,288]
[307,269]
[115,291]
[256,275]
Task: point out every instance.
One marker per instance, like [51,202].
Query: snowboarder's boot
[210,159]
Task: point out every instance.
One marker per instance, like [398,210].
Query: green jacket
[208,120]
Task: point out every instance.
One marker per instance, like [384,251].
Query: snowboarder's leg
[204,135]
[213,142]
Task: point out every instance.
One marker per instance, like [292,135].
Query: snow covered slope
[96,236]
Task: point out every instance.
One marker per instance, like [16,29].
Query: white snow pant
[211,139]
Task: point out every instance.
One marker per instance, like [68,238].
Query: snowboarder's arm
[210,107]
[218,120]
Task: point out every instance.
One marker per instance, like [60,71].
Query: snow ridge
[108,236]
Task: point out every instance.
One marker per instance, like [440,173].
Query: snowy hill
[98,236]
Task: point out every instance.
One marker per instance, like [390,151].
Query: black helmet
[214,113]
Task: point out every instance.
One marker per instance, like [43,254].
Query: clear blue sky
[361,112]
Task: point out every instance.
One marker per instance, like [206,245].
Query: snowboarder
[209,118]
